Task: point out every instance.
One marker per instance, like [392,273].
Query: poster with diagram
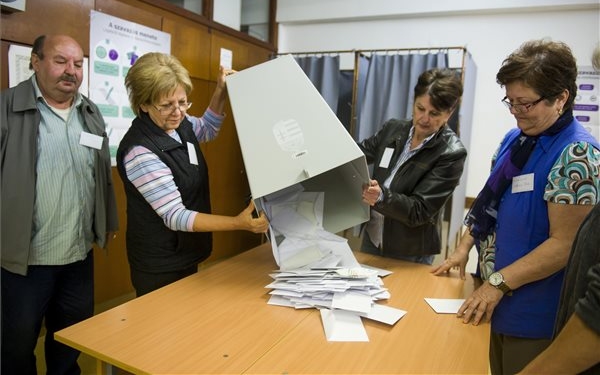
[587,102]
[115,44]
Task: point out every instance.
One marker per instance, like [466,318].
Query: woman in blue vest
[169,221]
[544,181]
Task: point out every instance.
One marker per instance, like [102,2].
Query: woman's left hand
[217,102]
[253,224]
[480,306]
[371,192]
[223,73]
[458,259]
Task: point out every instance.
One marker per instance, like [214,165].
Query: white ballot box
[289,136]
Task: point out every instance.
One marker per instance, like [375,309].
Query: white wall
[489,29]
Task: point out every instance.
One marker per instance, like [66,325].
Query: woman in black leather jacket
[417,164]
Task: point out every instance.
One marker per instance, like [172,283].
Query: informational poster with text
[115,45]
[586,108]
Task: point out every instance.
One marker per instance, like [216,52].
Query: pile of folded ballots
[317,269]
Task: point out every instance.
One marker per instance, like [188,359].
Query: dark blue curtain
[385,87]
[324,73]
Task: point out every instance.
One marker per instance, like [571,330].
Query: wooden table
[218,321]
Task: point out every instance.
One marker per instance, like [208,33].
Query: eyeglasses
[167,109]
[522,107]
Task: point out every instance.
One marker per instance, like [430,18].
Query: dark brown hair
[38,48]
[546,66]
[443,86]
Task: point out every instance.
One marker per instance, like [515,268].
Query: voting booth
[289,135]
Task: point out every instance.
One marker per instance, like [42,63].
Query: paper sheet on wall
[226,59]
[18,67]
[586,108]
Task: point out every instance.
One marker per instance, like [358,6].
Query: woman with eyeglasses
[169,220]
[544,181]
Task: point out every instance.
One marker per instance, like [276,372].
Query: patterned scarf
[481,218]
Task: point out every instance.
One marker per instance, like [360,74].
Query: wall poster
[115,44]
[18,67]
[586,106]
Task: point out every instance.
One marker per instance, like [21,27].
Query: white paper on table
[299,273]
[352,301]
[381,294]
[279,301]
[281,285]
[285,293]
[445,305]
[341,325]
[385,314]
[311,301]
[380,272]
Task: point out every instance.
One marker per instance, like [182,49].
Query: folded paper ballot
[343,325]
[384,314]
[356,273]
[445,305]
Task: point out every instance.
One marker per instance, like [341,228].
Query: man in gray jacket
[57,201]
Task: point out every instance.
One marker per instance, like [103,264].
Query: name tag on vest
[522,183]
[192,153]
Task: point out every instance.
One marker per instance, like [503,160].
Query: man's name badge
[91,140]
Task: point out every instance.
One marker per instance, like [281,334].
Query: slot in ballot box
[289,135]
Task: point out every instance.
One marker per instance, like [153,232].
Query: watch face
[495,279]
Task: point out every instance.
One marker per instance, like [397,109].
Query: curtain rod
[414,49]
[375,50]
[318,52]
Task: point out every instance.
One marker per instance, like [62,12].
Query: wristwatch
[497,281]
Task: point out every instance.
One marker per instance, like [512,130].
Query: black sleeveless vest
[151,245]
